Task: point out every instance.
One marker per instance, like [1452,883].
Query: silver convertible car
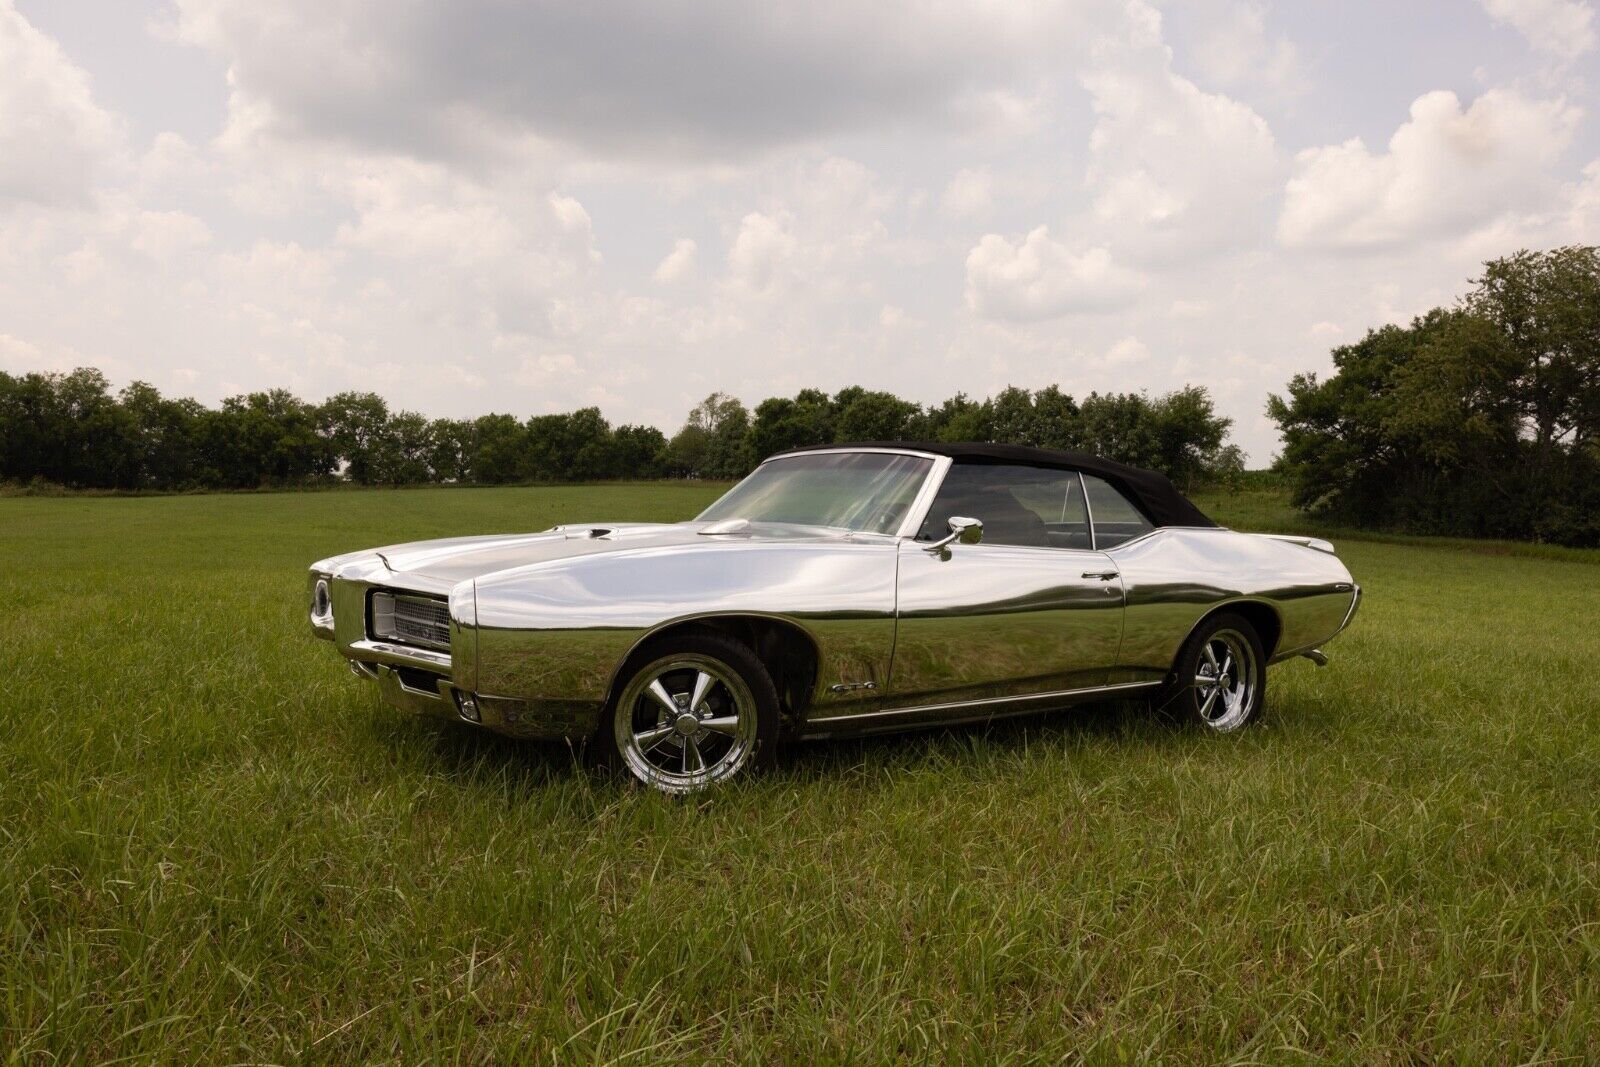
[839,590]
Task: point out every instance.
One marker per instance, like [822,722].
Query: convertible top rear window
[866,492]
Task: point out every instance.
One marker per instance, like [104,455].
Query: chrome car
[839,590]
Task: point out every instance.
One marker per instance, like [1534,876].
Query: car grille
[411,620]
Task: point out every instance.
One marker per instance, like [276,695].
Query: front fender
[558,631]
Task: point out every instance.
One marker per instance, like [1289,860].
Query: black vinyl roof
[1153,493]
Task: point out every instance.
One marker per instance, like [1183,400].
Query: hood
[446,561]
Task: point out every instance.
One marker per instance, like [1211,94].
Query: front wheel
[693,711]
[1220,678]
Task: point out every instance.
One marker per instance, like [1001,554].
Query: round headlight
[322,602]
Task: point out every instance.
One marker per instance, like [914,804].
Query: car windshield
[868,492]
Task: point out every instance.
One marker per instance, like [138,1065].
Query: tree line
[72,430]
[1481,419]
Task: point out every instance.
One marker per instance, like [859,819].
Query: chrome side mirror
[967,531]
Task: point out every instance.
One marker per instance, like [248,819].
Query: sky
[530,207]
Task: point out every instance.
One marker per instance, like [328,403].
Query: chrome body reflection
[1174,577]
[1002,620]
[876,631]
[563,629]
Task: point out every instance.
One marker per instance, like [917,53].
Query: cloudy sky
[529,207]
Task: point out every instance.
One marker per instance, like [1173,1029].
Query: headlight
[321,603]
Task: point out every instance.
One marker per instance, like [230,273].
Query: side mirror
[967,531]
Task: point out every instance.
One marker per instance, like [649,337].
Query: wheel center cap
[1224,682]
[686,724]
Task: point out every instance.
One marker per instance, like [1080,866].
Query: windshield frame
[919,505]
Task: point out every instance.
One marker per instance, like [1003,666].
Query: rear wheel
[693,711]
[1220,678]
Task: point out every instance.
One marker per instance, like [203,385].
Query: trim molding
[822,727]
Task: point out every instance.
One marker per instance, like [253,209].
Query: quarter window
[1115,518]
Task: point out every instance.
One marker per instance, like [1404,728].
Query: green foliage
[452,448]
[781,423]
[1478,421]
[218,847]
[714,441]
[1179,433]
[69,430]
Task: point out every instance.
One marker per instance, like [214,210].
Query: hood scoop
[581,533]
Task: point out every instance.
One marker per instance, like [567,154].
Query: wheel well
[1262,616]
[788,652]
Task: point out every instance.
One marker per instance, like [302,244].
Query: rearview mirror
[967,531]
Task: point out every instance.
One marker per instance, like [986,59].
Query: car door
[1032,609]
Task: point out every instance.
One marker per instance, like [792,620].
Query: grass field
[216,847]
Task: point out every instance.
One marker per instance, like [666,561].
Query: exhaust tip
[1317,656]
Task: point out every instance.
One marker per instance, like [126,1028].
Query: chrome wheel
[685,721]
[1226,680]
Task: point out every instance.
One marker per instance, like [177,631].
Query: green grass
[215,846]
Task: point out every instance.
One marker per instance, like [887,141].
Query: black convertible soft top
[1151,492]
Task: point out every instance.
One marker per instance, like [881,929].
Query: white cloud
[1235,48]
[765,243]
[821,230]
[1174,171]
[415,198]
[1126,351]
[1564,28]
[1447,172]
[53,137]
[538,371]
[570,215]
[1040,278]
[23,356]
[679,263]
[970,193]
[1583,198]
[162,235]
[722,78]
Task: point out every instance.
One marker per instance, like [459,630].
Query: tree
[714,441]
[1545,306]
[357,425]
[781,423]
[1121,426]
[497,449]
[70,429]
[168,436]
[1477,420]
[873,416]
[1190,436]
[638,452]
[451,444]
[1057,422]
[408,444]
[1339,443]
[1012,418]
[959,419]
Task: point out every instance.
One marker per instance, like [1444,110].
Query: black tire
[740,703]
[1217,709]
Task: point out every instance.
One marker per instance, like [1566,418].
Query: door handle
[1104,576]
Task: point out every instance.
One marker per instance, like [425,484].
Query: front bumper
[431,683]
[527,719]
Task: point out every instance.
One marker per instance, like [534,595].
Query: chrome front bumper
[438,680]
[529,719]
